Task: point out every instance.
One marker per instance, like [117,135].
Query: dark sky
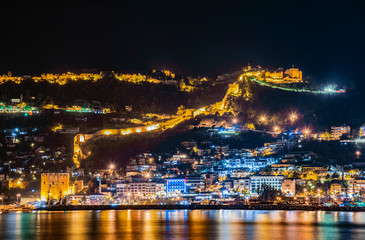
[323,38]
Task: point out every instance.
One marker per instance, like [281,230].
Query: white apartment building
[258,181]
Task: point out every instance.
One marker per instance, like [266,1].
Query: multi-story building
[249,163]
[336,188]
[136,189]
[337,132]
[356,186]
[176,185]
[258,180]
[362,131]
[178,159]
[242,184]
[195,183]
[288,186]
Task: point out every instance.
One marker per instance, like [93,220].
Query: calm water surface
[183,224]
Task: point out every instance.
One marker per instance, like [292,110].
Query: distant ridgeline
[155,76]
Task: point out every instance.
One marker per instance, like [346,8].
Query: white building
[250,163]
[258,181]
[242,184]
[139,188]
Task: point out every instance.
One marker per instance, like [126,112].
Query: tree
[335,175]
[268,193]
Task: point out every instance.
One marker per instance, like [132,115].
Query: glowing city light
[111,166]
[293,117]
[330,88]
[306,131]
[262,118]
[276,129]
[107,133]
[152,127]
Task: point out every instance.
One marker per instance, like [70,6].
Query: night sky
[323,38]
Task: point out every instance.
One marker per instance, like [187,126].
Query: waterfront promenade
[206,207]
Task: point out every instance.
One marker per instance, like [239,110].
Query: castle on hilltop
[291,75]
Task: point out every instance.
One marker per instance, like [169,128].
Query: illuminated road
[234,91]
[221,107]
[266,84]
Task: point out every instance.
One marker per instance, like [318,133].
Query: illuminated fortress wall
[55,186]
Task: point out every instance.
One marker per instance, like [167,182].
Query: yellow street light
[276,129]
[111,166]
[263,118]
[306,131]
[293,117]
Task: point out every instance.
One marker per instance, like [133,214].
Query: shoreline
[266,207]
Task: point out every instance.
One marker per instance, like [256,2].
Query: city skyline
[323,38]
[182,120]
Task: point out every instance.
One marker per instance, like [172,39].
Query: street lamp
[276,129]
[263,119]
[293,117]
[129,198]
[111,166]
[358,153]
[2,201]
[17,197]
[306,132]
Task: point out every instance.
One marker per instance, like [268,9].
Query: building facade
[356,186]
[176,185]
[258,180]
[337,132]
[55,186]
[288,187]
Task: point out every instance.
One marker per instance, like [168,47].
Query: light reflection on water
[183,224]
